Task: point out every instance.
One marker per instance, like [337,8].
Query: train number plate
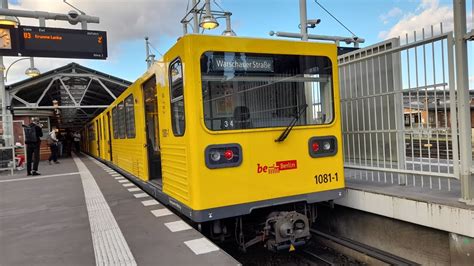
[326,178]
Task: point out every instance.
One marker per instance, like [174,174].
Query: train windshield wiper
[287,130]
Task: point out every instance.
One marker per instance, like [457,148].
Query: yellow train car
[223,126]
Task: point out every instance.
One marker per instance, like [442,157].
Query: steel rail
[365,249]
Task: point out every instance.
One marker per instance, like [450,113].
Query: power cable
[154,48]
[215,2]
[353,34]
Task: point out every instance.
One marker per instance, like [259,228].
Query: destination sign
[242,63]
[63,43]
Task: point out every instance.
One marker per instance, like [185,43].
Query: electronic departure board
[53,42]
[64,43]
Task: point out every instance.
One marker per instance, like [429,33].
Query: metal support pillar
[303,21]
[195,19]
[3,94]
[464,101]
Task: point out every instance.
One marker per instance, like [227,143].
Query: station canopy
[73,93]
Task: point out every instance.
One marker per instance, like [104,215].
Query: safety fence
[397,104]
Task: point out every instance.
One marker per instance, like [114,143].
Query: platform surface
[80,212]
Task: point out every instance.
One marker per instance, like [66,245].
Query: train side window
[121,120]
[91,132]
[177,98]
[130,116]
[115,122]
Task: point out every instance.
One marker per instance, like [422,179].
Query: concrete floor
[45,221]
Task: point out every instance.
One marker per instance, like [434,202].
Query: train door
[109,135]
[152,130]
[97,123]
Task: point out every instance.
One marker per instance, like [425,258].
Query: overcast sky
[127,22]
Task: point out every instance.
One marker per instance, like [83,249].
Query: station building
[66,97]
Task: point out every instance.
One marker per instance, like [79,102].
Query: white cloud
[428,13]
[394,12]
[123,20]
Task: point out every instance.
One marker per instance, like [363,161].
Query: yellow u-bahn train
[221,127]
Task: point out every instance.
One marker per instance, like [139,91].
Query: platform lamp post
[5,20]
[208,18]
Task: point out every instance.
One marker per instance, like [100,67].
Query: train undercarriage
[279,229]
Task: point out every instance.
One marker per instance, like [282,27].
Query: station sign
[53,42]
[242,63]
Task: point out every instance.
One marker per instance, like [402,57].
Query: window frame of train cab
[220,114]
[178,100]
[129,106]
[115,122]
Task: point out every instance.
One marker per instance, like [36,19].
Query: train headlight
[322,146]
[326,145]
[215,156]
[223,155]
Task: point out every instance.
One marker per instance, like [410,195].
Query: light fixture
[8,20]
[32,72]
[229,33]
[208,21]
[228,30]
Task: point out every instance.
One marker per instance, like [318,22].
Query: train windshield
[248,90]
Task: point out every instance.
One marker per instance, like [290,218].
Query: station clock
[8,40]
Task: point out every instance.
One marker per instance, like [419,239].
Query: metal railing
[397,106]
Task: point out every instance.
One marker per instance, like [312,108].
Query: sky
[128,22]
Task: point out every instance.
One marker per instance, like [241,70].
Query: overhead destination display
[53,42]
[64,43]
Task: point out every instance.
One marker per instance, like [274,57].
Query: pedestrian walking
[53,145]
[33,134]
[77,142]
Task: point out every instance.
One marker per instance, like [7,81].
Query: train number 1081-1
[325,178]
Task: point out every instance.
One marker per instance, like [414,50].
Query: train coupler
[286,230]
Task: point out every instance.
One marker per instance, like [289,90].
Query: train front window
[247,91]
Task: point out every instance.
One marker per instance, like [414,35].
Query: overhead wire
[327,11]
[156,50]
[215,2]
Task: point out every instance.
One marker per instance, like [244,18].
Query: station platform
[427,201]
[81,212]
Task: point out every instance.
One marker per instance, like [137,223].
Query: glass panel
[121,119]
[177,98]
[244,91]
[91,132]
[115,121]
[130,116]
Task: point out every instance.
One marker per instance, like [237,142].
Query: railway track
[377,254]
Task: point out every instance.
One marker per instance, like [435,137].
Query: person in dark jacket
[33,150]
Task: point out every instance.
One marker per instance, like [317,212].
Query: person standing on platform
[61,144]
[53,146]
[33,134]
[77,142]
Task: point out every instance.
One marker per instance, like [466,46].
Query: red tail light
[229,154]
[223,155]
[315,146]
[322,146]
